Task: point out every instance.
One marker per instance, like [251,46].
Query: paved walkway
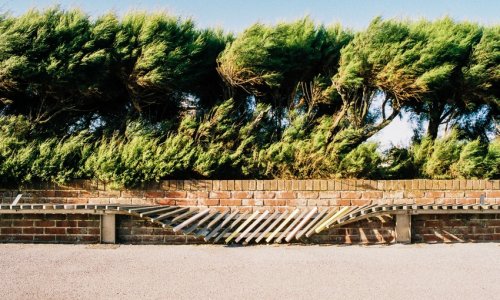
[459,271]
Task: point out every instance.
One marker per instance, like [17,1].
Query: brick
[285,195]
[186,202]
[11,230]
[316,185]
[45,223]
[230,202]
[238,185]
[360,202]
[434,194]
[220,195]
[197,195]
[424,201]
[329,195]
[122,200]
[351,195]
[372,194]
[455,194]
[22,223]
[66,223]
[88,194]
[474,194]
[264,195]
[241,195]
[340,202]
[66,194]
[275,202]
[259,185]
[109,194]
[493,194]
[252,202]
[164,201]
[307,195]
[55,230]
[296,202]
[230,185]
[252,185]
[173,194]
[208,202]
[318,202]
[92,223]
[32,230]
[82,230]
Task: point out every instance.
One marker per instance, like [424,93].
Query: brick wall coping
[276,185]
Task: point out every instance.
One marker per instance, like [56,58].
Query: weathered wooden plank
[191,220]
[170,214]
[138,210]
[301,224]
[252,226]
[328,216]
[263,225]
[311,224]
[242,226]
[201,222]
[156,211]
[230,227]
[221,225]
[292,225]
[183,216]
[283,224]
[16,200]
[268,229]
[336,216]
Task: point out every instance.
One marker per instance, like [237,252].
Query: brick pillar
[108,229]
[403,228]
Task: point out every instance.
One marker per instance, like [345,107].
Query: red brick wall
[373,231]
[133,230]
[456,228]
[49,228]
[266,194]
[84,228]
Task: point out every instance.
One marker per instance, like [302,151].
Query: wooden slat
[268,229]
[301,224]
[230,227]
[252,226]
[16,200]
[138,210]
[220,226]
[289,228]
[242,226]
[183,216]
[170,214]
[283,224]
[201,222]
[332,219]
[191,220]
[328,216]
[156,211]
[311,224]
[263,225]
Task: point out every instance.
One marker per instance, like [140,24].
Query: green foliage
[146,97]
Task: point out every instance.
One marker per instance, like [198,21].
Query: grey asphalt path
[458,271]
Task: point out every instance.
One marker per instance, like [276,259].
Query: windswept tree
[380,62]
[166,61]
[446,62]
[50,69]
[274,63]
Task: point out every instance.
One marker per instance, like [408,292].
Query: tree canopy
[149,96]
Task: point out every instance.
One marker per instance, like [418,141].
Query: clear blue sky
[236,15]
